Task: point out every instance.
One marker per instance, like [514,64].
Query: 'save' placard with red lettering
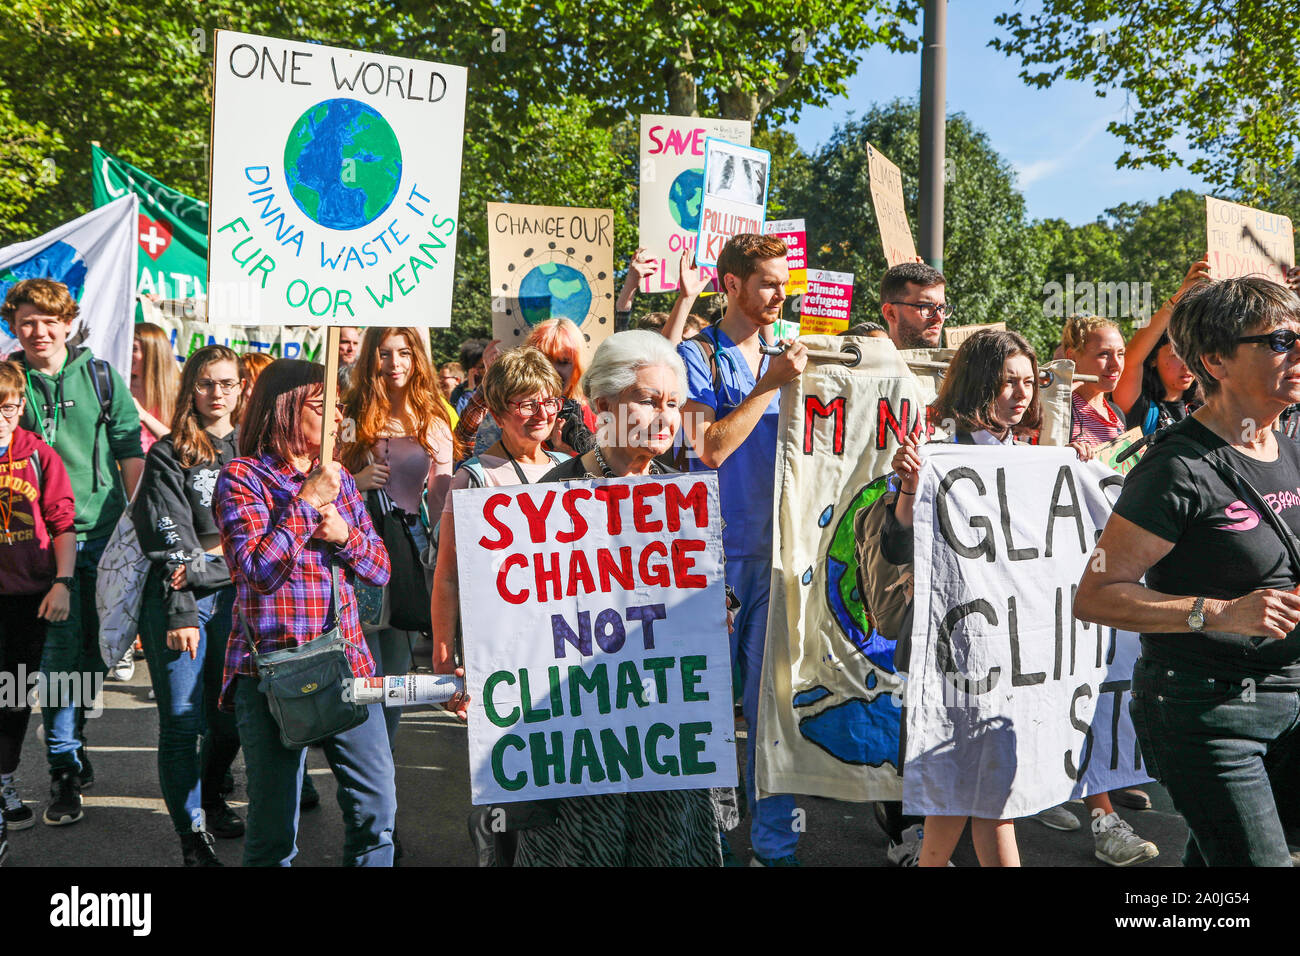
[595,633]
[672,187]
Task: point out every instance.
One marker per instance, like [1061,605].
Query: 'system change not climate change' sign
[335,180]
[595,637]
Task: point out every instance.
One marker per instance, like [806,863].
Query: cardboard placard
[672,187]
[335,185]
[891,211]
[954,336]
[1243,241]
[550,262]
[825,308]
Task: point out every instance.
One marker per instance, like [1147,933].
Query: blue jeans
[1228,761]
[186,691]
[71,661]
[362,765]
[391,650]
[771,831]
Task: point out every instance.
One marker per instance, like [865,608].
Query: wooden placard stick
[328,428]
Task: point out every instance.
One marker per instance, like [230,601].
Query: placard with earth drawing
[672,187]
[335,183]
[550,262]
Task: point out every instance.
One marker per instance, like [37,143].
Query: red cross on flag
[154,237]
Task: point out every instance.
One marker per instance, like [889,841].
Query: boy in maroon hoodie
[38,551]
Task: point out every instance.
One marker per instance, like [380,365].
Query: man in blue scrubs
[731,421]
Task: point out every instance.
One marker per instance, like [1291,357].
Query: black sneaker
[16,814]
[309,799]
[87,774]
[227,784]
[65,799]
[196,849]
[221,821]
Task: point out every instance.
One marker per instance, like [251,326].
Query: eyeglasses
[1282,340]
[10,411]
[317,406]
[529,408]
[207,385]
[927,310]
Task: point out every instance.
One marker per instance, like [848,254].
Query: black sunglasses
[1282,340]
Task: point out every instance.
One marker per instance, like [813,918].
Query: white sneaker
[1058,818]
[1117,844]
[907,852]
[124,669]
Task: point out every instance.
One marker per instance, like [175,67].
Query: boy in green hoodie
[81,407]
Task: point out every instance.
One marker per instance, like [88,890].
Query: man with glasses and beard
[913,303]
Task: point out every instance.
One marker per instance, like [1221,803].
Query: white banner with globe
[335,185]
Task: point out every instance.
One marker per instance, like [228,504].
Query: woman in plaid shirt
[284,521]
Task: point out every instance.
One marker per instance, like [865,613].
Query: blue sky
[1055,138]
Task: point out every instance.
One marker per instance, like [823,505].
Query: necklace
[609,472]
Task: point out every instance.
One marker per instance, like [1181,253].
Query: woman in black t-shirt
[1216,691]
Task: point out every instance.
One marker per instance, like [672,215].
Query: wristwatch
[1196,620]
[66,582]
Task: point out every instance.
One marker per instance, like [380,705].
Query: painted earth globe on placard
[554,290]
[343,164]
[685,197]
[58,261]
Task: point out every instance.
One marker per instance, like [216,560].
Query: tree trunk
[683,95]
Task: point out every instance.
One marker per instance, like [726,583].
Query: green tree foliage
[135,76]
[993,261]
[736,58]
[1223,74]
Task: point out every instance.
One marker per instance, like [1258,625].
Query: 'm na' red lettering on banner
[814,409]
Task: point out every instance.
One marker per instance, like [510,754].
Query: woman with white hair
[636,385]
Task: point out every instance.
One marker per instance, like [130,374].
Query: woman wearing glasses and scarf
[1216,690]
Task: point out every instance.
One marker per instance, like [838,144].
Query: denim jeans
[391,650]
[71,661]
[362,765]
[772,833]
[1228,755]
[186,691]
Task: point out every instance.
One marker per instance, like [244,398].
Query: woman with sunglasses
[1198,564]
[186,615]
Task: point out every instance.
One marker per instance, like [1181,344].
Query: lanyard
[523,479]
[49,426]
[8,508]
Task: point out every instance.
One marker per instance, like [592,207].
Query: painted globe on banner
[685,197]
[343,164]
[58,261]
[554,290]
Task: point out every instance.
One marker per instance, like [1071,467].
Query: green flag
[173,231]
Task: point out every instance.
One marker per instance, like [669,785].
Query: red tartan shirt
[282,573]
